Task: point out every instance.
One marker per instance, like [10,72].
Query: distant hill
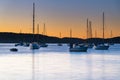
[6,37]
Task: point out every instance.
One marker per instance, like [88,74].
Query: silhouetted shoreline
[6,37]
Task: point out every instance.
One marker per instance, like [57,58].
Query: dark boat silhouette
[14,49]
[34,45]
[102,46]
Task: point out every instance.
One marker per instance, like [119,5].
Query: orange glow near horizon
[79,32]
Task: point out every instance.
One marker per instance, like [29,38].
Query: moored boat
[102,46]
[14,49]
[78,48]
[34,45]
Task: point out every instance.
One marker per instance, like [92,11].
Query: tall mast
[111,34]
[103,25]
[90,23]
[33,18]
[87,29]
[70,33]
[44,29]
[60,34]
[95,34]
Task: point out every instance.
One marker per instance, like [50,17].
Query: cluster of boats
[32,46]
[84,48]
[73,47]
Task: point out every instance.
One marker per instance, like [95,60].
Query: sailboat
[77,47]
[111,41]
[102,46]
[43,44]
[34,45]
[89,34]
[60,44]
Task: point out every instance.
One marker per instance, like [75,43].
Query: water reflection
[33,65]
[89,66]
[45,64]
[103,67]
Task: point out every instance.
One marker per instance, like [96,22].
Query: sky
[60,16]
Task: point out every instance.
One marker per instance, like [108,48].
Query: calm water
[57,63]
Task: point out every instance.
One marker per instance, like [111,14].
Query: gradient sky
[60,16]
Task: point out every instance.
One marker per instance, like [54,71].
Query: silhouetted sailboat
[102,46]
[111,41]
[76,47]
[34,45]
[89,33]
[43,44]
[60,44]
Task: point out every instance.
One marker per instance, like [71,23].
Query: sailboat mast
[70,33]
[95,34]
[44,29]
[90,23]
[103,25]
[33,18]
[37,28]
[60,34]
[87,29]
[111,33]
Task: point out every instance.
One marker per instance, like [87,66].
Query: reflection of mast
[89,66]
[33,65]
[103,67]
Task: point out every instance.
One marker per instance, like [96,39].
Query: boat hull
[83,49]
[59,44]
[43,45]
[101,47]
[14,49]
[34,46]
